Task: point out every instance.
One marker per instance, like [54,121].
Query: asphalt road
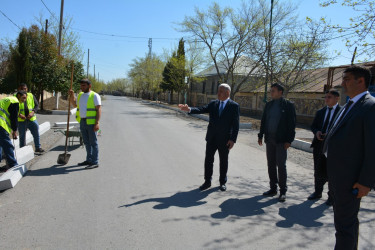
[145,194]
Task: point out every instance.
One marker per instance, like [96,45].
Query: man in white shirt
[88,105]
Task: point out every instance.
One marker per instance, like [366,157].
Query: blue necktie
[221,107]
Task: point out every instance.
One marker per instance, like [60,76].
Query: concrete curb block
[63,124]
[302,145]
[64,112]
[10,178]
[24,154]
[199,116]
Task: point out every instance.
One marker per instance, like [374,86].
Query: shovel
[64,158]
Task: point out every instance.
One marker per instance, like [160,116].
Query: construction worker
[88,105]
[9,108]
[27,119]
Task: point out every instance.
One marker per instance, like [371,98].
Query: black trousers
[211,147]
[276,158]
[346,207]
[320,167]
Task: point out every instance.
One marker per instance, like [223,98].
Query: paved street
[145,194]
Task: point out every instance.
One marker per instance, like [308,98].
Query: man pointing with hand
[221,134]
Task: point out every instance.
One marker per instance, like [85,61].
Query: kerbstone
[10,178]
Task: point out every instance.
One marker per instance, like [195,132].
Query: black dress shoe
[223,187]
[270,193]
[205,185]
[84,163]
[329,202]
[314,196]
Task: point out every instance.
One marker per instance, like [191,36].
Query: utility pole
[268,56]
[98,76]
[57,94]
[94,72]
[88,63]
[149,47]
[41,85]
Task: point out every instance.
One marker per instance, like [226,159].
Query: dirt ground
[49,104]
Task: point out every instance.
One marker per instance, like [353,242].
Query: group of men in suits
[343,146]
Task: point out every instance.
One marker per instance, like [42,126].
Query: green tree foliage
[33,60]
[146,75]
[97,85]
[361,31]
[19,66]
[174,72]
[119,85]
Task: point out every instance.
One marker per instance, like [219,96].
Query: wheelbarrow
[74,135]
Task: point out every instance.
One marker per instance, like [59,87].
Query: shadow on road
[181,199]
[243,207]
[62,147]
[302,214]
[55,170]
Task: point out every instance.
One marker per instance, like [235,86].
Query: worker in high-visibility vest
[88,105]
[27,119]
[9,108]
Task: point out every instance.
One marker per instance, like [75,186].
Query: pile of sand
[49,104]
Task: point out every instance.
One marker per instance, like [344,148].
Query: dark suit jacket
[286,129]
[224,127]
[318,122]
[351,147]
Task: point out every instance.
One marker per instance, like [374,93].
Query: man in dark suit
[221,134]
[278,125]
[350,147]
[323,121]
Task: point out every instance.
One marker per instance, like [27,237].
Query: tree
[194,61]
[295,47]
[146,75]
[70,46]
[4,54]
[174,72]
[34,61]
[361,31]
[19,66]
[121,85]
[226,35]
[301,52]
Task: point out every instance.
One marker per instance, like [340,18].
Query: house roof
[317,78]
[243,65]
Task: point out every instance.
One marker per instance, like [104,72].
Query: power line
[134,37]
[10,20]
[53,15]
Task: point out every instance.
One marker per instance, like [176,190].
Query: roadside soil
[49,104]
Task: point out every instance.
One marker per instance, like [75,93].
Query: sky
[118,31]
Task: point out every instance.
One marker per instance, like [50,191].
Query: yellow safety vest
[4,113]
[30,106]
[91,110]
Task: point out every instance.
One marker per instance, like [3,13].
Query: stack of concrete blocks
[23,155]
